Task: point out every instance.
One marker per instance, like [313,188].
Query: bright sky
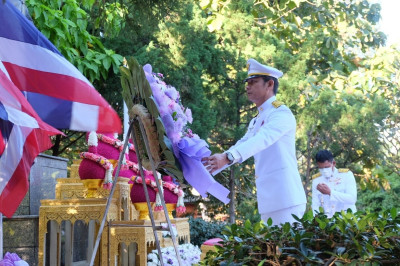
[390,21]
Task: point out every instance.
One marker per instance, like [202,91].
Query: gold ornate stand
[57,218]
[141,232]
[68,211]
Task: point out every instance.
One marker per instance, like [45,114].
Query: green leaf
[174,115]
[393,212]
[247,224]
[238,239]
[269,222]
[117,59]
[60,33]
[321,18]
[282,4]
[262,262]
[340,250]
[292,4]
[286,228]
[370,248]
[257,227]
[37,11]
[205,4]
[81,24]
[303,248]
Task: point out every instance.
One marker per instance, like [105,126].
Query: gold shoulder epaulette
[316,175]
[276,104]
[343,170]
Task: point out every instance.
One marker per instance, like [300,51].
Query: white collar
[267,104]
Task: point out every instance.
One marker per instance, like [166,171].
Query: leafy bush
[201,230]
[346,238]
[247,210]
[382,199]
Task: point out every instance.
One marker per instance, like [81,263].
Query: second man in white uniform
[332,189]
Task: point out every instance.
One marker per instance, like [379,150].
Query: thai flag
[23,135]
[57,91]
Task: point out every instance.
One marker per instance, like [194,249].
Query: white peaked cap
[256,69]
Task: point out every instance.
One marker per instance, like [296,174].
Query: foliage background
[340,81]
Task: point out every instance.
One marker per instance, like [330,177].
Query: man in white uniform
[332,189]
[270,138]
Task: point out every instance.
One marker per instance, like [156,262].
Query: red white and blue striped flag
[23,135]
[53,91]
[57,91]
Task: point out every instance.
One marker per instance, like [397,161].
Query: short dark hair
[323,156]
[276,82]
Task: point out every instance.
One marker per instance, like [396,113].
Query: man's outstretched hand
[215,162]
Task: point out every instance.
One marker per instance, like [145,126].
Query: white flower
[188,253]
[152,257]
[167,233]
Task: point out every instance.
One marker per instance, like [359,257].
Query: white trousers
[285,215]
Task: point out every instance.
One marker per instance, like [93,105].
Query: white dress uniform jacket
[270,138]
[343,192]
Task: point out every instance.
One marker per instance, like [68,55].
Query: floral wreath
[176,119]
[104,162]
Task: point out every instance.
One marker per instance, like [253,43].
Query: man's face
[258,91]
[326,164]
[326,168]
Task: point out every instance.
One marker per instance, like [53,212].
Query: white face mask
[326,172]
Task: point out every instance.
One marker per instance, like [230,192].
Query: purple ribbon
[191,151]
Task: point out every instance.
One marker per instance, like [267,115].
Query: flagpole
[126,119]
[1,236]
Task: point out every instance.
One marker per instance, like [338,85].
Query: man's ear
[334,163]
[271,83]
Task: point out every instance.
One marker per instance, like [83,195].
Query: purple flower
[173,114]
[172,93]
[188,114]
[189,133]
[179,123]
[12,257]
[148,68]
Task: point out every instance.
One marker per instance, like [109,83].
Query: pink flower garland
[135,167]
[104,162]
[114,142]
[170,186]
